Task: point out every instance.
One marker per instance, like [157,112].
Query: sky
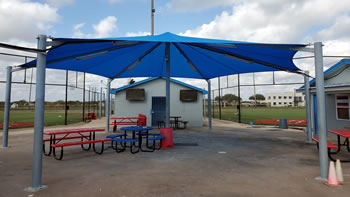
[267,21]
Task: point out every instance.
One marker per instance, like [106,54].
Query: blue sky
[132,16]
[268,21]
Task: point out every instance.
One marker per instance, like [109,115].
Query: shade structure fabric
[144,56]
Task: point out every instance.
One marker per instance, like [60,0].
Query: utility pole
[152,17]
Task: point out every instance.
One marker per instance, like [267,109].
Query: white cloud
[77,30]
[104,28]
[140,33]
[282,21]
[340,29]
[196,5]
[19,19]
[60,3]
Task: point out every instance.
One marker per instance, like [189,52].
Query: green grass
[52,117]
[249,114]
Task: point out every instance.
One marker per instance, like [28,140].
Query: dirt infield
[18,124]
[295,122]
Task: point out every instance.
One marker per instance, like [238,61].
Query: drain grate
[186,144]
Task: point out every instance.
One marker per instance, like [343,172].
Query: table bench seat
[79,143]
[329,147]
[123,142]
[329,144]
[67,138]
[61,145]
[115,135]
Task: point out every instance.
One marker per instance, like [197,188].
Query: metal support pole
[219,98]
[84,97]
[152,17]
[7,107]
[213,105]
[30,87]
[108,104]
[66,101]
[254,89]
[239,100]
[209,105]
[167,85]
[321,111]
[104,103]
[100,114]
[39,117]
[307,106]
[89,100]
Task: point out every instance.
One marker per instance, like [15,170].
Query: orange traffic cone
[339,172]
[332,177]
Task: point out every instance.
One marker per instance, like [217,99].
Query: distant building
[285,99]
[147,97]
[14,105]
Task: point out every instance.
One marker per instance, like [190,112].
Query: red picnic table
[86,136]
[345,134]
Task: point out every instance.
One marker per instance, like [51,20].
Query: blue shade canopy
[144,56]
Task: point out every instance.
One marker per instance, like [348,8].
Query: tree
[259,97]
[229,98]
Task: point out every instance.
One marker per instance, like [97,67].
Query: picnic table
[342,133]
[140,131]
[141,120]
[86,136]
[176,121]
[337,147]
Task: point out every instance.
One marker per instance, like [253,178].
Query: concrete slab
[229,161]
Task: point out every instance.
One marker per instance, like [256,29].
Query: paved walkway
[231,160]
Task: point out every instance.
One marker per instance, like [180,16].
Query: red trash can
[168,141]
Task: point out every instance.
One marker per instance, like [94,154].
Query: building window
[274,103]
[290,97]
[274,97]
[280,103]
[297,99]
[285,103]
[290,103]
[285,97]
[269,97]
[342,105]
[279,97]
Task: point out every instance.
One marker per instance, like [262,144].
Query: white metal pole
[108,104]
[209,105]
[39,117]
[167,85]
[100,103]
[307,107]
[7,107]
[321,111]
